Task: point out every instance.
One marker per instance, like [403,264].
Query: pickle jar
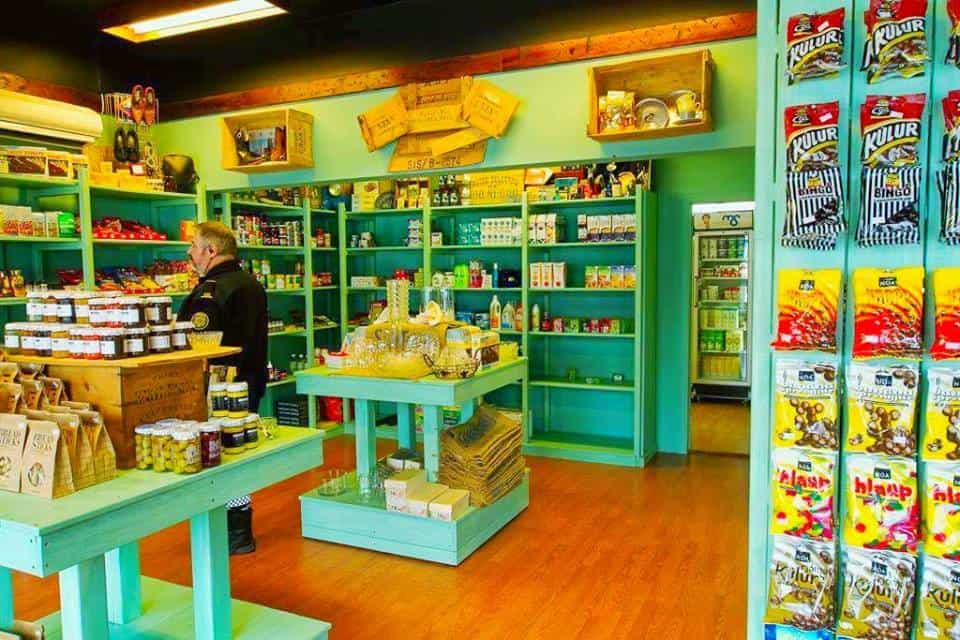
[42,340]
[161,440]
[179,338]
[233,437]
[60,340]
[238,403]
[159,309]
[186,450]
[81,307]
[35,306]
[251,431]
[135,342]
[160,340]
[11,337]
[142,437]
[210,443]
[218,400]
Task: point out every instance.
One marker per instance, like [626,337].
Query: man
[230,300]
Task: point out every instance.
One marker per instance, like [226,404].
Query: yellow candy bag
[802,583]
[881,403]
[802,490]
[805,405]
[878,591]
[941,441]
[883,510]
[939,599]
[941,511]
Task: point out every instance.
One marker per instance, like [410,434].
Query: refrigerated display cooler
[720,322]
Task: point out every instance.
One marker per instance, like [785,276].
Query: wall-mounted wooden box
[658,78]
[299,140]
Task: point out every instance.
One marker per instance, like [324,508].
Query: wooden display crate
[653,78]
[299,140]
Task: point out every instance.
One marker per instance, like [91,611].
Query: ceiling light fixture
[208,17]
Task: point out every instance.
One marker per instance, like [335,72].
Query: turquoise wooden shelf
[326,327]
[141,243]
[326,249]
[592,202]
[329,212]
[291,332]
[25,181]
[583,290]
[588,245]
[353,250]
[384,212]
[72,242]
[141,194]
[280,383]
[258,247]
[474,208]
[581,447]
[475,247]
[286,292]
[488,289]
[562,383]
[11,302]
[329,287]
[567,334]
[269,208]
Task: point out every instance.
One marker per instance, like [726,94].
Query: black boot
[240,531]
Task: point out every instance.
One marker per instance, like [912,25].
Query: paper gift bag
[13,436]
[10,393]
[54,391]
[32,396]
[77,443]
[104,455]
[46,464]
[9,371]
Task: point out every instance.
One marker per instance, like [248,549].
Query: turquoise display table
[363,521]
[91,539]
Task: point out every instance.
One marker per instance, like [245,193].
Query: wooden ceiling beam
[41,89]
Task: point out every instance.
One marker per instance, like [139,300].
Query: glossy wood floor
[720,427]
[602,552]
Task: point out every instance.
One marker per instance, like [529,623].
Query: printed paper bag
[46,464]
[77,443]
[54,391]
[384,123]
[489,108]
[32,397]
[10,393]
[13,435]
[104,455]
[8,371]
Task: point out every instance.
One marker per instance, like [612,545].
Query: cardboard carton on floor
[400,485]
[449,505]
[418,502]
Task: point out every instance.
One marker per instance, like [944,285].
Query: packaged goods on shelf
[806,406]
[400,486]
[22,221]
[941,440]
[546,228]
[419,499]
[797,568]
[286,196]
[941,511]
[292,412]
[881,409]
[882,503]
[114,228]
[500,232]
[259,230]
[877,581]
[449,505]
[802,489]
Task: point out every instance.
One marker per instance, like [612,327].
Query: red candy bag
[812,136]
[807,303]
[815,45]
[890,126]
[896,42]
[953,51]
[951,126]
[888,312]
[946,295]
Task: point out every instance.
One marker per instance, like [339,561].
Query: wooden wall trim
[41,89]
[736,25]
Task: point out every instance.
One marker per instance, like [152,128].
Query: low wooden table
[363,521]
[90,538]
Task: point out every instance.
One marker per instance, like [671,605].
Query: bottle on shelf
[535,317]
[465,191]
[496,275]
[507,317]
[494,313]
[520,318]
[271,372]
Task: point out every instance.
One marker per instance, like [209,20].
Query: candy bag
[896,42]
[812,136]
[953,51]
[941,510]
[939,599]
[815,212]
[878,592]
[881,403]
[888,312]
[941,439]
[890,206]
[951,125]
[802,583]
[815,45]
[807,303]
[805,405]
[891,127]
[948,185]
[883,511]
[802,492]
[946,295]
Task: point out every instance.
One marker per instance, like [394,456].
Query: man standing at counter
[230,300]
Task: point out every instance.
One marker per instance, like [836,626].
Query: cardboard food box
[13,436]
[418,500]
[536,275]
[489,108]
[449,505]
[384,123]
[400,485]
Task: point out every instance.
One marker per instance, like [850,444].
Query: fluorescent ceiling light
[208,17]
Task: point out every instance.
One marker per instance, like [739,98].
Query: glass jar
[35,306]
[97,312]
[60,340]
[28,341]
[186,450]
[132,313]
[81,307]
[111,343]
[161,440]
[135,342]
[11,337]
[43,342]
[159,309]
[114,313]
[65,312]
[76,342]
[142,436]
[179,339]
[251,431]
[219,407]
[210,444]
[233,437]
[91,345]
[238,403]
[50,308]
[159,340]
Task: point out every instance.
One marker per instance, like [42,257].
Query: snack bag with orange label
[881,403]
[807,304]
[883,511]
[941,510]
[941,440]
[802,583]
[802,490]
[878,591]
[946,294]
[805,405]
[888,312]
[939,599]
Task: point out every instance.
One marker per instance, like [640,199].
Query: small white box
[400,485]
[546,275]
[559,275]
[541,228]
[536,275]
[418,502]
[449,505]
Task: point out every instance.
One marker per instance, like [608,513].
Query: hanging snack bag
[883,511]
[806,405]
[802,583]
[941,438]
[890,206]
[807,303]
[888,312]
[896,42]
[815,45]
[878,591]
[951,125]
[814,216]
[881,403]
[953,51]
[802,490]
[812,136]
[946,295]
[941,510]
[948,186]
[939,599]
[890,128]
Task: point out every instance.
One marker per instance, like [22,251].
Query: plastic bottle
[535,318]
[496,275]
[494,313]
[520,318]
[507,318]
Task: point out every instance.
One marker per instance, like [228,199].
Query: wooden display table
[361,521]
[134,391]
[91,539]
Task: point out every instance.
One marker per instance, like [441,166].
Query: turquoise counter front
[91,539]
[362,520]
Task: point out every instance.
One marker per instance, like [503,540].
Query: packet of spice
[805,405]
[953,51]
[896,42]
[941,438]
[941,510]
[882,506]
[890,206]
[802,489]
[814,216]
[802,583]
[807,303]
[878,593]
[939,599]
[888,312]
[812,136]
[946,296]
[815,45]
[890,128]
[881,407]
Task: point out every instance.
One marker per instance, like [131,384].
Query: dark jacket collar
[229,266]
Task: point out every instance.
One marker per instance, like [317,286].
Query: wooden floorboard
[602,552]
[720,427]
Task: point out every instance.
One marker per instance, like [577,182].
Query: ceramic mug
[687,106]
